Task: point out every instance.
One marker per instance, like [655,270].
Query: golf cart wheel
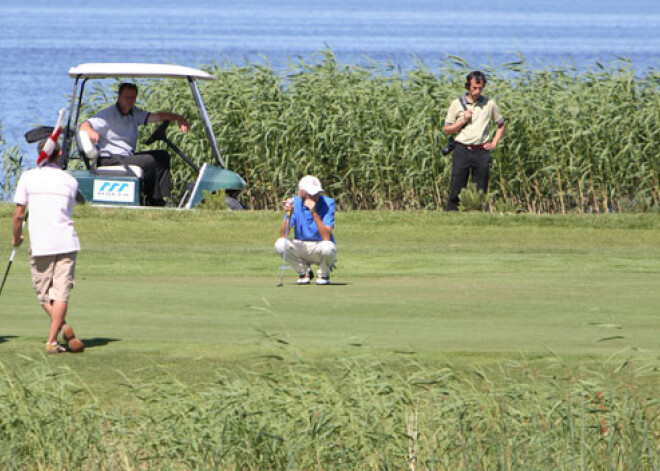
[233,204]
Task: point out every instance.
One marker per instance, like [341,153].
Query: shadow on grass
[332,283]
[6,338]
[98,342]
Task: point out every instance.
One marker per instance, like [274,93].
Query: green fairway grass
[431,283]
[203,285]
[185,295]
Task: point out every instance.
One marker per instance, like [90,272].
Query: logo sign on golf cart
[114,191]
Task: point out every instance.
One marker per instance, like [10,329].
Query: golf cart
[119,185]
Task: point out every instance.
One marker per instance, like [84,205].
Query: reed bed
[576,141]
[353,414]
[12,165]
[583,141]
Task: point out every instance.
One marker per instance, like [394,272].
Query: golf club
[287,220]
[11,259]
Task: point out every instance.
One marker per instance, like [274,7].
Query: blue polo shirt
[303,223]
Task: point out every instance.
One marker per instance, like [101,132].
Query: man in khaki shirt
[468,117]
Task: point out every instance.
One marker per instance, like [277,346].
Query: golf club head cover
[47,151]
[37,134]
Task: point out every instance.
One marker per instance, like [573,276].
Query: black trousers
[157,177]
[464,162]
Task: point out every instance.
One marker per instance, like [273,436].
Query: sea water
[41,39]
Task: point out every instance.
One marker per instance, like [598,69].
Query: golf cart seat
[120,171]
[90,154]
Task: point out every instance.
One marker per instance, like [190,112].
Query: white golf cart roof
[128,69]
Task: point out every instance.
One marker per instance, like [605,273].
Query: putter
[286,242]
[11,259]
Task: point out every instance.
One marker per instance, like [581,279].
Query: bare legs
[56,310]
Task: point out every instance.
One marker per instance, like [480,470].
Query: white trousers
[302,253]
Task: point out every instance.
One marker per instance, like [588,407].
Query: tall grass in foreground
[348,415]
[576,141]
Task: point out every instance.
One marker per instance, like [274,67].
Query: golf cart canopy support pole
[199,101]
[66,141]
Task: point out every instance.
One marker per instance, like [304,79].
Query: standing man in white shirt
[50,194]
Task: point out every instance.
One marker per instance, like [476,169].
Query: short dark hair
[477,76]
[125,85]
[56,149]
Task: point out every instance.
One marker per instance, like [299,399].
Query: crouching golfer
[313,220]
[50,194]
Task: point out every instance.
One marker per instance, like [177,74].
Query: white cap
[311,185]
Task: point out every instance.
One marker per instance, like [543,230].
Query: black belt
[472,147]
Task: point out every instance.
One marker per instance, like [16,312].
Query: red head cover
[47,151]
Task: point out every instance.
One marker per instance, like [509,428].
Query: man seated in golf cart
[115,131]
